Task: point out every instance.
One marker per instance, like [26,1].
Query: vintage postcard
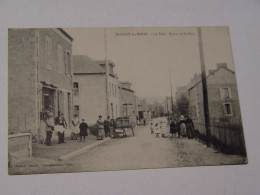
[108,99]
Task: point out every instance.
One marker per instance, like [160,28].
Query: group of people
[184,127]
[80,128]
[159,128]
[57,124]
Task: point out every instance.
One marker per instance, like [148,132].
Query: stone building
[94,93]
[222,98]
[127,100]
[39,74]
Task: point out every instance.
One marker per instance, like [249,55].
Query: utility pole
[171,93]
[204,88]
[168,113]
[107,72]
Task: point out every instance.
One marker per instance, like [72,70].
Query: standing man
[61,125]
[49,120]
[107,124]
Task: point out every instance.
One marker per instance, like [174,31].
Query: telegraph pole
[168,113]
[204,88]
[107,72]
[171,93]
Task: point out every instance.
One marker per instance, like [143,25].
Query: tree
[182,104]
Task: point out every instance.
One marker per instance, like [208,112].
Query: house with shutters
[95,93]
[222,98]
[39,75]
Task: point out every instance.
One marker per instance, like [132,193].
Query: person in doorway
[83,130]
[49,120]
[60,126]
[100,125]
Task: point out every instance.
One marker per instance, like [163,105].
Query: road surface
[146,151]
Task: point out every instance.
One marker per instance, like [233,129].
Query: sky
[147,56]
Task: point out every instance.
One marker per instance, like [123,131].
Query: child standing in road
[151,128]
[157,130]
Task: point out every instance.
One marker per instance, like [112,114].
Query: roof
[191,85]
[66,34]
[82,64]
[111,64]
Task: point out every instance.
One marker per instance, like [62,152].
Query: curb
[83,150]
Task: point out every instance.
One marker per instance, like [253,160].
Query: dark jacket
[83,129]
[172,127]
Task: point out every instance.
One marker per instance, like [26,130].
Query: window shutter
[225,110]
[230,93]
[221,92]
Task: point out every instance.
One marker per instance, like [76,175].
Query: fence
[227,137]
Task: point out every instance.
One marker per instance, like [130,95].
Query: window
[60,63]
[48,52]
[76,88]
[67,63]
[225,93]
[227,109]
[113,90]
[76,110]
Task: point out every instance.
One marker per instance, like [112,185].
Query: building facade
[127,100]
[94,93]
[222,98]
[39,75]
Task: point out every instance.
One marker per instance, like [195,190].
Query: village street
[141,151]
[146,151]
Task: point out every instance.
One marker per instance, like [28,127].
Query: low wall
[19,146]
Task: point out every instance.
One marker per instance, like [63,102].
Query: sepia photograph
[122,98]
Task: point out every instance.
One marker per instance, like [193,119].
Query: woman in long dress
[164,128]
[75,129]
[182,126]
[100,125]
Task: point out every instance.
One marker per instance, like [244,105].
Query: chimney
[221,65]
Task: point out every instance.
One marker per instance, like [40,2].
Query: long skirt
[75,129]
[100,133]
[183,129]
